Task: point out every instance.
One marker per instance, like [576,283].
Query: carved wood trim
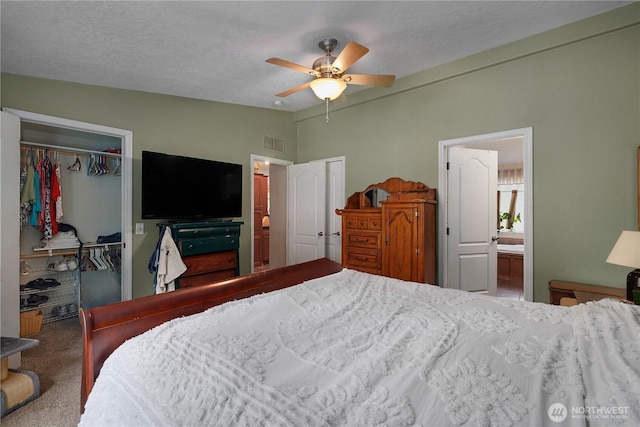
[398,189]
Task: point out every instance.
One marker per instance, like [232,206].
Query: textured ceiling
[216,50]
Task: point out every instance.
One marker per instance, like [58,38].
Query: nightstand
[571,293]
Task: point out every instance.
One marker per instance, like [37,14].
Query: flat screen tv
[185,188]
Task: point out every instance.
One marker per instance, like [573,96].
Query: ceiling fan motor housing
[323,66]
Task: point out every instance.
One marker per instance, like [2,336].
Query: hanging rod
[70,150]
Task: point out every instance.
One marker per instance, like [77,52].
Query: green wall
[162,123]
[578,87]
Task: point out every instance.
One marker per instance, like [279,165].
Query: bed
[316,344]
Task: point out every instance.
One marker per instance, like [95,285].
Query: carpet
[57,361]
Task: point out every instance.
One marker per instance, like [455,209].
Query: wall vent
[274,144]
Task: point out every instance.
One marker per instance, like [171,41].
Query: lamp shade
[327,87]
[626,251]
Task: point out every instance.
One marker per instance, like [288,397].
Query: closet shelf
[59,299]
[69,150]
[73,250]
[98,245]
[56,318]
[63,286]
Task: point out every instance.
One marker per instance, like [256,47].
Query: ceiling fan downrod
[326,100]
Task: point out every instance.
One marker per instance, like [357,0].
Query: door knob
[320,233]
[337,233]
[495,238]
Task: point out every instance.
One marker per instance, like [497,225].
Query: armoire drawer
[208,244]
[363,258]
[199,264]
[363,239]
[364,222]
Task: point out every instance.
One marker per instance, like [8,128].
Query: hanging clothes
[37,203]
[27,191]
[54,195]
[59,213]
[169,265]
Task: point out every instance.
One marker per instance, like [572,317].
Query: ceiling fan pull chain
[326,100]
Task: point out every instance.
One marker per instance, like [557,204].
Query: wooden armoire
[390,229]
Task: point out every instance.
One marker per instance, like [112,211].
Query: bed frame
[104,328]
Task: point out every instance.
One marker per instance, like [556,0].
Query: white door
[306,204]
[9,228]
[471,220]
[335,200]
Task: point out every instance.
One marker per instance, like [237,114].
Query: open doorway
[269,210]
[514,149]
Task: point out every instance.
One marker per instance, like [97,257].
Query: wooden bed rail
[106,327]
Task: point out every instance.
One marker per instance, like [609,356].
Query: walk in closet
[72,239]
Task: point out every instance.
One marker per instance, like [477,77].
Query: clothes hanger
[107,258]
[76,166]
[118,170]
[105,167]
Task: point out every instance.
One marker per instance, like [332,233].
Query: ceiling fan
[328,71]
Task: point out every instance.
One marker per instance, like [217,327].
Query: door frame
[259,158]
[126,136]
[527,158]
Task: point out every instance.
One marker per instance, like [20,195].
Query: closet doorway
[95,165]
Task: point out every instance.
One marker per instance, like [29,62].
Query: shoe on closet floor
[71,263]
[25,268]
[59,310]
[35,300]
[72,309]
[58,266]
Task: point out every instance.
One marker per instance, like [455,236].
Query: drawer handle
[230,260]
[361,240]
[360,258]
[374,223]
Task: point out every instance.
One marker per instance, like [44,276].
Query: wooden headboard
[106,327]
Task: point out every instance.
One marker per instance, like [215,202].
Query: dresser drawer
[208,244]
[199,264]
[200,232]
[363,258]
[363,239]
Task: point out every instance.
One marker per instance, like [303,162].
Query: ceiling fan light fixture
[328,87]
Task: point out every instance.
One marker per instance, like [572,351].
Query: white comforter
[354,349]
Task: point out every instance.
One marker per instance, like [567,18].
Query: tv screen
[185,188]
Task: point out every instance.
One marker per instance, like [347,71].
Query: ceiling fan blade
[287,64]
[294,90]
[349,55]
[385,80]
